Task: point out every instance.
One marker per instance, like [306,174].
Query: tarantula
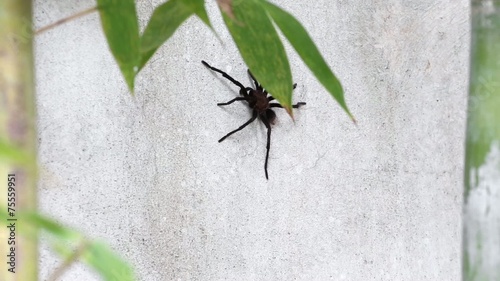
[259,101]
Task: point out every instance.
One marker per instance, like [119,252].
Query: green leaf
[198,7]
[51,227]
[106,263]
[120,25]
[261,49]
[307,50]
[165,20]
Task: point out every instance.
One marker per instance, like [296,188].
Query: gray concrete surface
[377,201]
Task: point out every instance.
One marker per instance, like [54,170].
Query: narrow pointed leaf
[261,49]
[198,7]
[307,50]
[52,227]
[119,22]
[164,22]
[110,266]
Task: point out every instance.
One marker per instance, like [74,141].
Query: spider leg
[225,75]
[268,146]
[254,116]
[299,104]
[270,98]
[231,101]
[254,80]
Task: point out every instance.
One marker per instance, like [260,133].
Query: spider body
[259,100]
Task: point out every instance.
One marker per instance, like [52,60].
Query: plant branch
[70,18]
[68,262]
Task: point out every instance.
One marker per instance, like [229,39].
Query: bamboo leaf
[307,50]
[261,49]
[51,227]
[164,22]
[110,266]
[198,7]
[120,25]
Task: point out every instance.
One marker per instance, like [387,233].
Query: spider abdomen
[271,116]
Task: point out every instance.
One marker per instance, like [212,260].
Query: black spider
[259,101]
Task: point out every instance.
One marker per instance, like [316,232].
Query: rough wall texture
[376,201]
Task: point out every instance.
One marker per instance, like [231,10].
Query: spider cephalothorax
[259,100]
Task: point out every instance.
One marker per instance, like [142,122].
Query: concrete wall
[376,201]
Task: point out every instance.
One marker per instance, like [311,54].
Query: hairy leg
[299,104]
[225,75]
[268,146]
[257,85]
[270,98]
[254,116]
[231,101]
